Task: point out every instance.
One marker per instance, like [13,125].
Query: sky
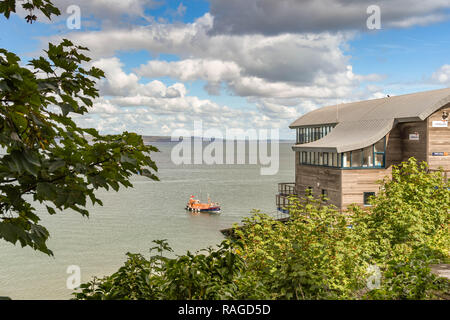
[253,64]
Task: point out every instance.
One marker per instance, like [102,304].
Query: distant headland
[148,139]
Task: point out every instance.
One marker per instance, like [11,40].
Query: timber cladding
[319,178]
[438,152]
[356,182]
[414,140]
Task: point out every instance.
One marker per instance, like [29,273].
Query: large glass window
[310,134]
[368,157]
[379,146]
[346,156]
[379,152]
[334,161]
[325,159]
[379,160]
[356,158]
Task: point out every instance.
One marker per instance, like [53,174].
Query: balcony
[285,190]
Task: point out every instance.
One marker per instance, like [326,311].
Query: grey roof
[360,124]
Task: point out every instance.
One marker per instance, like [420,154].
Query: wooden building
[342,150]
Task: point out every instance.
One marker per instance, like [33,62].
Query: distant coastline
[148,139]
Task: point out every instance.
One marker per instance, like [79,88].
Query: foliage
[315,255]
[44,6]
[49,158]
[201,276]
[407,229]
[320,253]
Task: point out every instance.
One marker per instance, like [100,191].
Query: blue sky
[256,64]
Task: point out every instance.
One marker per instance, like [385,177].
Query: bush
[320,253]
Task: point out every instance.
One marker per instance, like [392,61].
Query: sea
[132,218]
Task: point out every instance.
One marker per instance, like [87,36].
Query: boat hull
[211,209]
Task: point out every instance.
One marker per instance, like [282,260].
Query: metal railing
[286,188]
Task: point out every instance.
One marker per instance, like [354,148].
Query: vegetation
[319,253]
[49,158]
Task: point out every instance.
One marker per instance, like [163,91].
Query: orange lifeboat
[196,206]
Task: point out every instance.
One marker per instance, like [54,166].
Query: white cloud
[148,108]
[282,76]
[442,75]
[116,81]
[103,106]
[192,69]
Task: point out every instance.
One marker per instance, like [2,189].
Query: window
[379,152]
[379,146]
[356,158]
[308,191]
[379,160]
[372,156]
[324,195]
[346,159]
[310,134]
[367,196]
[335,158]
[325,159]
[368,157]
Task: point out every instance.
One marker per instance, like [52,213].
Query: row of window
[310,134]
[370,157]
[324,196]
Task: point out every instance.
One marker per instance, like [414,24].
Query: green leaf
[55,165]
[50,210]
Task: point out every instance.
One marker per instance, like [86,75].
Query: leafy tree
[320,253]
[214,275]
[407,231]
[49,158]
[45,6]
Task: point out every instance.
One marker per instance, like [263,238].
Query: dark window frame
[366,196]
[324,195]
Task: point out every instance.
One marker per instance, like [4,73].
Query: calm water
[132,218]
